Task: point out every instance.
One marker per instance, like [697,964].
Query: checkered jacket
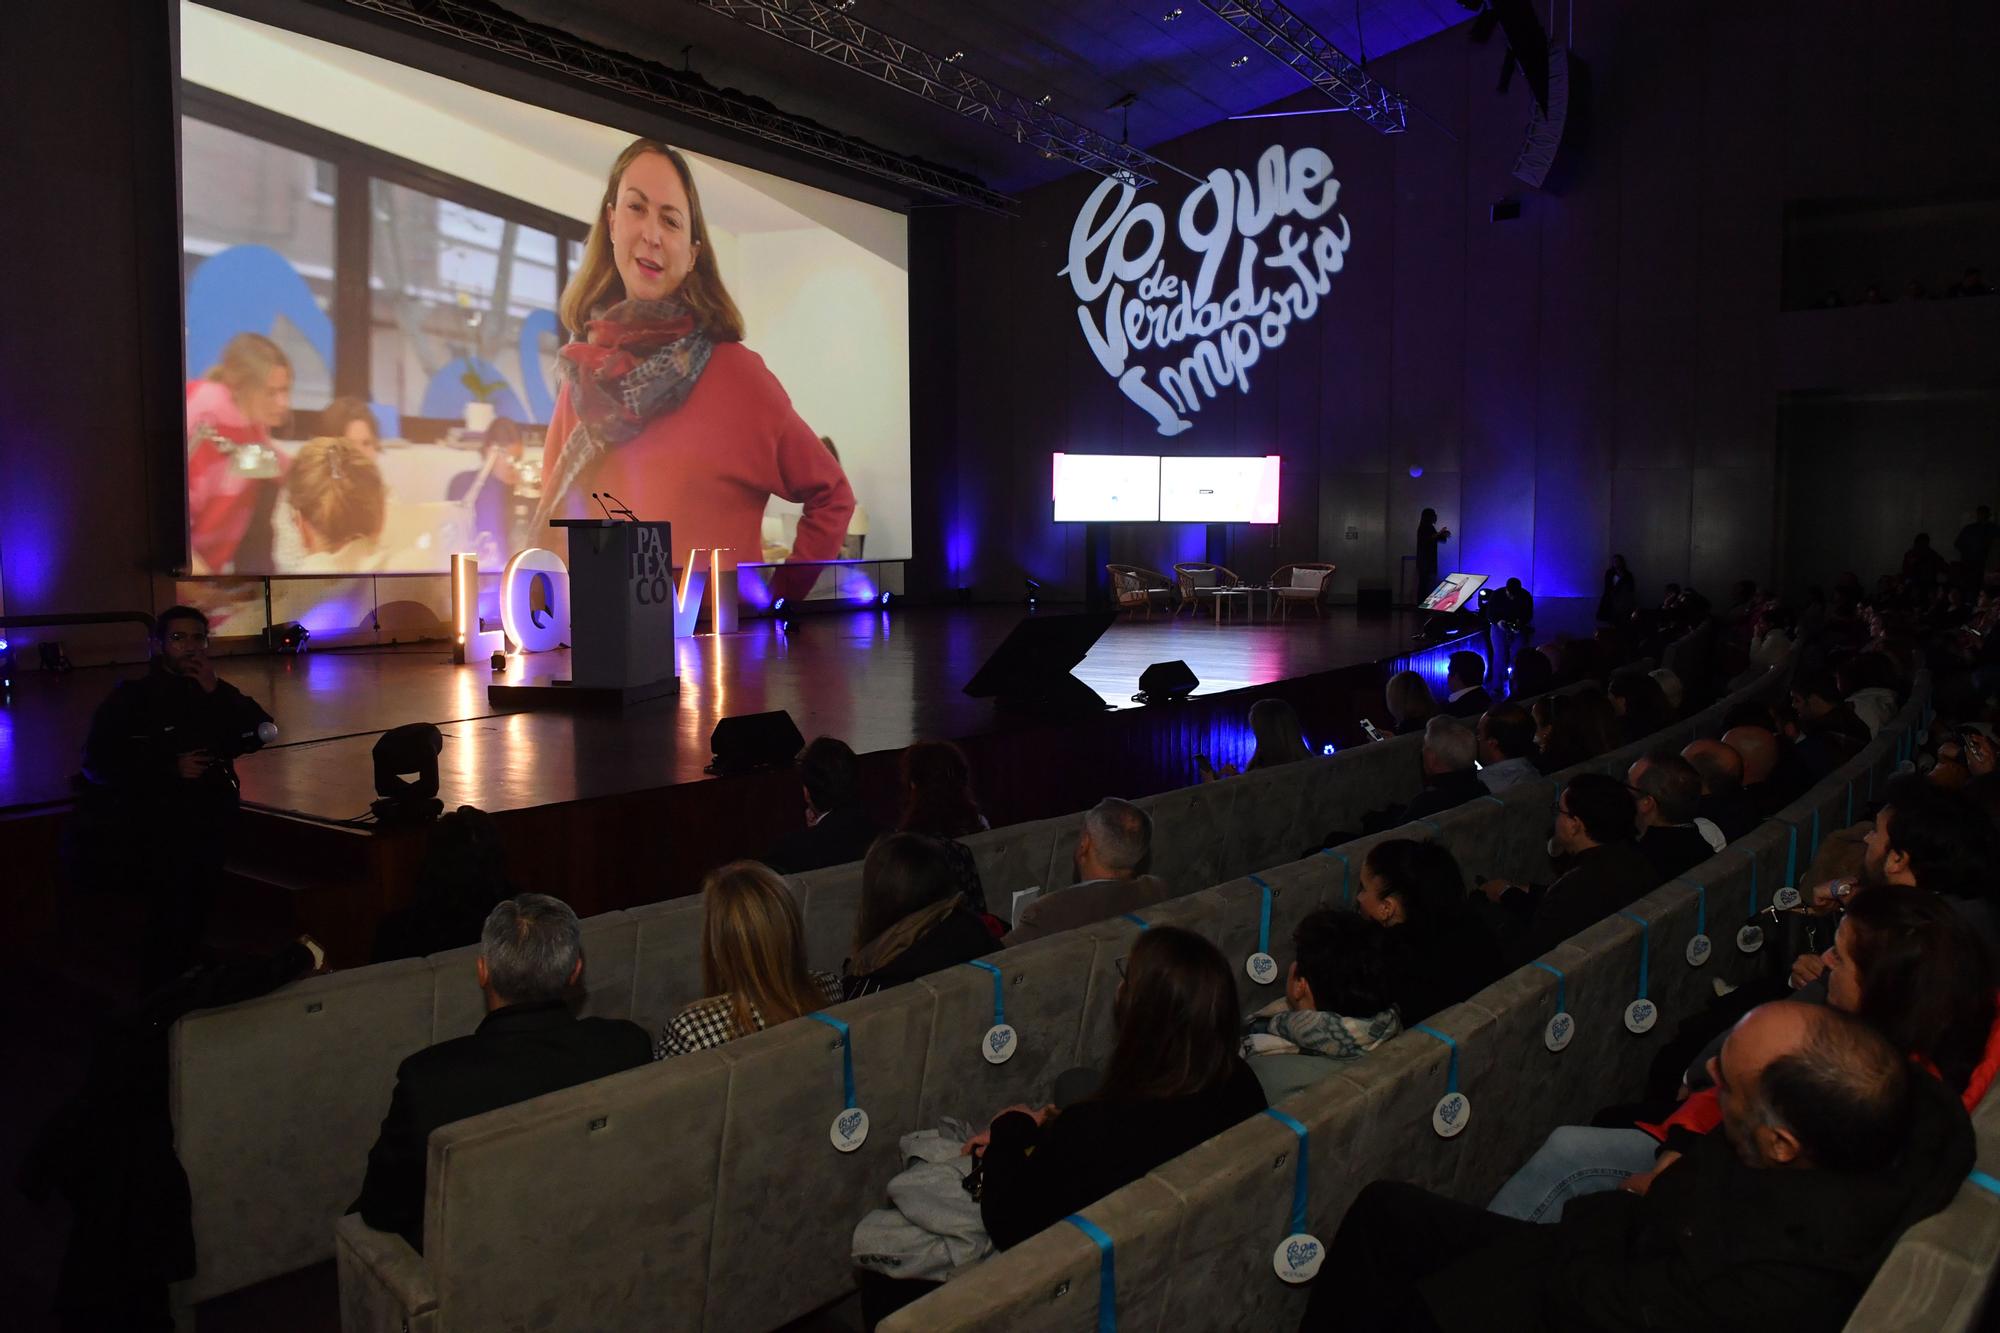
[706,1024]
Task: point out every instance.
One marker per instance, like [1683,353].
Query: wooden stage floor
[877,679]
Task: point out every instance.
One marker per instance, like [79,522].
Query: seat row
[704,1192]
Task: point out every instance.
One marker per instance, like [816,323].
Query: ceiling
[1084,54]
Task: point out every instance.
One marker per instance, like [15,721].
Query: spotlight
[886,596]
[6,665]
[54,658]
[499,663]
[1416,469]
[1327,748]
[779,606]
[1034,591]
[289,638]
[412,749]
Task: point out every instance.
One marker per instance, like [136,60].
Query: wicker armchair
[1135,588]
[1199,581]
[1301,584]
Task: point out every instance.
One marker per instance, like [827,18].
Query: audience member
[531,955]
[1621,593]
[1671,689]
[1724,804]
[1280,740]
[753,963]
[1465,686]
[1596,822]
[838,829]
[1174,1080]
[1534,674]
[1573,728]
[462,878]
[1336,1006]
[1974,544]
[1410,702]
[1769,776]
[1639,702]
[1827,733]
[1830,1148]
[1922,565]
[1902,962]
[1111,854]
[913,920]
[938,802]
[157,803]
[1867,681]
[1970,283]
[1669,794]
[1448,758]
[1506,747]
[1443,953]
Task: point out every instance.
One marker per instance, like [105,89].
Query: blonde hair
[336,488]
[596,277]
[753,947]
[247,362]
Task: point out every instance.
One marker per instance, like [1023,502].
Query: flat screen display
[1454,593]
[383,368]
[1107,488]
[1219,490]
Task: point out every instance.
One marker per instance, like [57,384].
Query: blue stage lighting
[778,605]
[1416,470]
[886,597]
[1327,748]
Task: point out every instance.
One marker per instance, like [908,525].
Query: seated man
[837,829]
[1724,804]
[1827,733]
[1116,840]
[1668,791]
[1771,775]
[1336,1006]
[1506,747]
[1465,686]
[1596,819]
[1451,777]
[528,1044]
[1831,1146]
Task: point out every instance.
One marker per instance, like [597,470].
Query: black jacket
[1672,851]
[1034,1176]
[1600,881]
[1468,705]
[145,724]
[1714,1244]
[518,1052]
[839,837]
[1442,792]
[1432,970]
[958,937]
[1734,812]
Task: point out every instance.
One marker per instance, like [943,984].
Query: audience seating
[915,1062]
[275,1101]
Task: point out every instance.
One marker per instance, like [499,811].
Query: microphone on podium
[601,505]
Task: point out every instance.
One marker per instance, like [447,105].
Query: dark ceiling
[1085,54]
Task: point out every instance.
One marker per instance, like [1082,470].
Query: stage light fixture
[1416,469]
[410,749]
[886,596]
[1328,748]
[6,665]
[289,638]
[499,663]
[779,606]
[54,657]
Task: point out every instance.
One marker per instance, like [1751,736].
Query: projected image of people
[661,404]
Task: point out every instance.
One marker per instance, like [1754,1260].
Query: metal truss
[482,26]
[829,33]
[1299,45]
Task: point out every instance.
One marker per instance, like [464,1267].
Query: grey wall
[1603,373]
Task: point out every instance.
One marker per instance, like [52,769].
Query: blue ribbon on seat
[1451,1071]
[1645,947]
[1107,1272]
[846,1052]
[999,989]
[1263,915]
[1301,1177]
[1562,983]
[1346,874]
[1136,920]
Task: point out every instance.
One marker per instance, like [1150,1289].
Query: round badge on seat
[1640,1015]
[1786,899]
[1262,968]
[999,1044]
[850,1129]
[1298,1257]
[1560,1031]
[1750,939]
[1450,1115]
[1699,948]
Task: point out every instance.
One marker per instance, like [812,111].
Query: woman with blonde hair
[336,504]
[232,468]
[661,404]
[753,963]
[1411,703]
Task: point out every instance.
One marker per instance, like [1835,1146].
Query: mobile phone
[1374,732]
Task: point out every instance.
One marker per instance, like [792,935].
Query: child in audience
[914,918]
[1174,1081]
[753,963]
[1335,1008]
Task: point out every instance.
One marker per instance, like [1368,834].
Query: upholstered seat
[1136,588]
[1200,581]
[1302,584]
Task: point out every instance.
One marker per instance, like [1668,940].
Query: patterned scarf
[1278,1030]
[639,360]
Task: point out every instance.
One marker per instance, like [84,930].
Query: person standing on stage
[159,780]
[1429,537]
[661,404]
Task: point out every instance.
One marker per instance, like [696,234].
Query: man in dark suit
[1667,791]
[1596,819]
[1723,802]
[1111,853]
[529,1043]
[1465,689]
[837,829]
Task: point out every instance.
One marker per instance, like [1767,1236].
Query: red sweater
[710,466]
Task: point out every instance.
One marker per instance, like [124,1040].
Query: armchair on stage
[1134,588]
[1200,582]
[1299,584]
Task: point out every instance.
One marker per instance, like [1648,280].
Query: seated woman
[1336,1005]
[1572,728]
[335,506]
[1174,1080]
[1443,953]
[1903,961]
[1274,726]
[753,963]
[1410,702]
[914,919]
[938,802]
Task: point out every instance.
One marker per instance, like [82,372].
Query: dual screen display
[1146,488]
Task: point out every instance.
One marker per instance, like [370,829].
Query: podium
[621,612]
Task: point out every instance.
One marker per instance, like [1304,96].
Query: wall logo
[1128,303]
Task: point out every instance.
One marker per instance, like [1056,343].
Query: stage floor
[877,679]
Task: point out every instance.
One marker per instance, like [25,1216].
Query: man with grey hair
[1111,853]
[530,959]
[1451,776]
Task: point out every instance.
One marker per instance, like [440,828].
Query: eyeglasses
[198,636]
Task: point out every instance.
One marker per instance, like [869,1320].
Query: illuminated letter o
[528,633]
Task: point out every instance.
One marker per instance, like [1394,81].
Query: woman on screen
[661,405]
[233,471]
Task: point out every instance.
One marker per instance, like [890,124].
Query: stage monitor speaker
[1031,667]
[1372,599]
[1166,682]
[750,741]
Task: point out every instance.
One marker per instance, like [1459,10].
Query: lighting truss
[830,34]
[488,28]
[1299,45]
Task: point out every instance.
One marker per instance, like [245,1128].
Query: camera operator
[159,793]
[1510,621]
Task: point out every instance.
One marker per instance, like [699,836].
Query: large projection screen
[373,259]
[1219,490]
[1107,488]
